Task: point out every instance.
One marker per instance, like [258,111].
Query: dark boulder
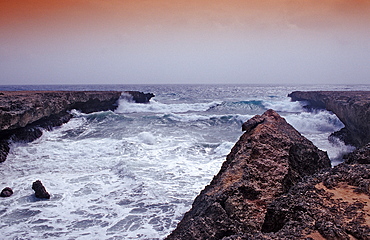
[4,150]
[269,158]
[6,192]
[40,191]
[139,97]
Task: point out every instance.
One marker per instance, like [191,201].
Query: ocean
[132,173]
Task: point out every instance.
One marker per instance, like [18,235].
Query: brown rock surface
[351,107]
[330,205]
[268,159]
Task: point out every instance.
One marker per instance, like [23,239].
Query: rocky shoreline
[351,107]
[275,184]
[23,114]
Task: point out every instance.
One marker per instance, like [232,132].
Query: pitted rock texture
[351,107]
[333,205]
[269,158]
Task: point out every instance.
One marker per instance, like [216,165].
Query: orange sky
[180,13]
[34,25]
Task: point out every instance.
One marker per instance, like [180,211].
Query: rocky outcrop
[23,114]
[351,107]
[140,97]
[330,205]
[21,108]
[40,190]
[4,150]
[361,156]
[269,158]
[6,192]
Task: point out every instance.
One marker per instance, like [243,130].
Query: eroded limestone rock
[267,160]
[351,107]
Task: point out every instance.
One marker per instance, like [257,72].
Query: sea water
[132,173]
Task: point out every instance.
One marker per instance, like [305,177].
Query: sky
[184,42]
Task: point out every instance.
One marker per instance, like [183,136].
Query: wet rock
[6,192]
[23,114]
[269,158]
[140,97]
[4,150]
[351,107]
[40,191]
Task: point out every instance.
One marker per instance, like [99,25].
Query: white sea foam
[315,122]
[133,187]
[133,173]
[199,117]
[317,126]
[158,107]
[147,138]
[284,105]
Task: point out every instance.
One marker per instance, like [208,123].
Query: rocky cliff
[21,108]
[24,113]
[351,107]
[270,157]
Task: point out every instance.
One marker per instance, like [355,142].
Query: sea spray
[132,173]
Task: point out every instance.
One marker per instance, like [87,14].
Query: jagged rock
[252,123]
[351,107]
[267,160]
[140,97]
[4,150]
[21,108]
[6,192]
[40,191]
[361,156]
[329,205]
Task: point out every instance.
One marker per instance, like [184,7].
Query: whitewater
[132,173]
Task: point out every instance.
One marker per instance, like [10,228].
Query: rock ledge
[270,157]
[24,113]
[351,107]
